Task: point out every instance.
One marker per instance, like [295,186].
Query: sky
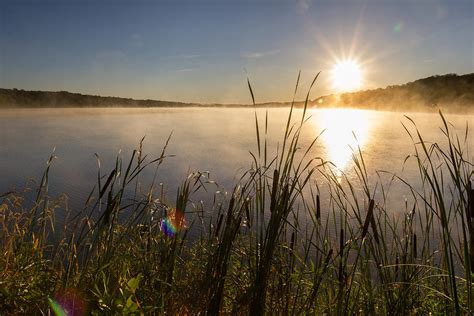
[204,51]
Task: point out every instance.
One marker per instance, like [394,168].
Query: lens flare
[56,308]
[67,302]
[398,27]
[173,222]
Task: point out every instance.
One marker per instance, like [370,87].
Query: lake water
[217,140]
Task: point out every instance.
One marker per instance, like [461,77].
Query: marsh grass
[266,246]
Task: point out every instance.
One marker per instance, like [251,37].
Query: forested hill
[11,98]
[446,92]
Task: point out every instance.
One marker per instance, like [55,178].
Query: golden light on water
[346,75]
[344,131]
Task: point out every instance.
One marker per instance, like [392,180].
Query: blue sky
[203,51]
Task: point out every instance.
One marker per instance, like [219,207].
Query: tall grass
[276,243]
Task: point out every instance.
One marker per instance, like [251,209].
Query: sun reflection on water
[344,131]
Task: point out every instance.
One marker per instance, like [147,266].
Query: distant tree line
[18,98]
[449,92]
[10,98]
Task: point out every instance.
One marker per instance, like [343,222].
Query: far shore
[450,93]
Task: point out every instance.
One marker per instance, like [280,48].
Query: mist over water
[202,139]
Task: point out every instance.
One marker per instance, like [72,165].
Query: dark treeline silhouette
[18,98]
[447,92]
[11,98]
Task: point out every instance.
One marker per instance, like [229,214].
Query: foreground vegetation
[129,251]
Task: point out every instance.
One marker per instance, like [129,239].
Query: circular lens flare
[68,302]
[346,75]
[173,222]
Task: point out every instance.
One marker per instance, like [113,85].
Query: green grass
[253,254]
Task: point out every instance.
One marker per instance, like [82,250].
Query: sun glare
[344,131]
[346,75]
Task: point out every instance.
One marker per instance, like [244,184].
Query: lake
[217,140]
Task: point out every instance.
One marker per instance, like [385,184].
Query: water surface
[204,139]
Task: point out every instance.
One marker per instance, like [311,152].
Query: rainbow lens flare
[67,303]
[172,223]
[57,309]
[398,27]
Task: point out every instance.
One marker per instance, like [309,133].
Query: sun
[346,75]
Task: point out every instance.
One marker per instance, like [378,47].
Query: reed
[276,243]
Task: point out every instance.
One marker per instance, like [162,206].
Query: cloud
[255,55]
[185,70]
[303,5]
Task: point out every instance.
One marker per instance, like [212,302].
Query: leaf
[131,306]
[133,283]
